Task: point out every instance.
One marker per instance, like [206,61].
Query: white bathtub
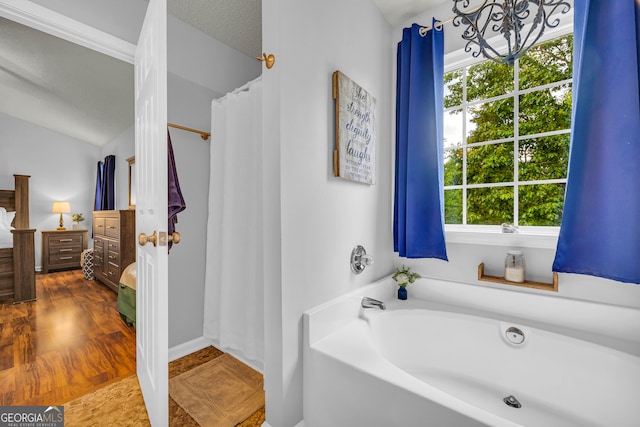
[437,360]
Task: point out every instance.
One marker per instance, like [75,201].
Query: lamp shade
[61,207]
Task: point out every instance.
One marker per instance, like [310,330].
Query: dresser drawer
[98,226]
[97,260]
[113,259]
[112,246]
[68,240]
[113,272]
[112,227]
[6,264]
[64,259]
[65,250]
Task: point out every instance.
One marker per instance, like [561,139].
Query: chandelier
[520,22]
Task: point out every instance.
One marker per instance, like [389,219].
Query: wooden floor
[121,403]
[68,343]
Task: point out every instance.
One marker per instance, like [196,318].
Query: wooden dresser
[114,244]
[61,249]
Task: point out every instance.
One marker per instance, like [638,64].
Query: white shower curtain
[234,284]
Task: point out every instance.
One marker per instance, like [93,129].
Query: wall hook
[269,60]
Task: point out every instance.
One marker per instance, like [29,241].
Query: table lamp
[61,207]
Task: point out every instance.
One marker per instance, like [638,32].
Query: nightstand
[61,249]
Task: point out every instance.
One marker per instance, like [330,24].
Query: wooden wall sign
[355,155]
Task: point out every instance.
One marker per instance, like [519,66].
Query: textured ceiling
[236,23]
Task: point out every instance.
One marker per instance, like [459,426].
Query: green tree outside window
[508,128]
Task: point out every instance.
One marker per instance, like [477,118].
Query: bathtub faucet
[372,303]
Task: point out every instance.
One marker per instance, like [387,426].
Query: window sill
[527,237]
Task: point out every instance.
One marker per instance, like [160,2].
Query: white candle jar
[514,266]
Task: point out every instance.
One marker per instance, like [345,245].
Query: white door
[151,212]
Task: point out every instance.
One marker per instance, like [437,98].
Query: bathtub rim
[613,326]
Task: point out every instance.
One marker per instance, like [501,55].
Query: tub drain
[512,401]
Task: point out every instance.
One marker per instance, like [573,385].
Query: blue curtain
[108,198]
[600,232]
[418,216]
[97,201]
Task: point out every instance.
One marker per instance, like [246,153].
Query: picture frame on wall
[354,157]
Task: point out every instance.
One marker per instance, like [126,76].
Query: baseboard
[266,424]
[257,365]
[199,343]
[188,347]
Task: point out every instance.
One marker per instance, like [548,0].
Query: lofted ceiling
[41,83]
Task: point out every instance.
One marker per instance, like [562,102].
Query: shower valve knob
[360,259]
[366,259]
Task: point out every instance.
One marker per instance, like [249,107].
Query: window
[506,138]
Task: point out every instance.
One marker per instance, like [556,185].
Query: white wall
[189,105]
[61,168]
[322,217]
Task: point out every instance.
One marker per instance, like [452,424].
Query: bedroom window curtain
[105,198]
[97,203]
[600,231]
[418,215]
[108,199]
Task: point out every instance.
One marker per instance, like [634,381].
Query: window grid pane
[490,163]
[541,205]
[507,133]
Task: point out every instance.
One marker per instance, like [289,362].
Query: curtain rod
[438,25]
[203,135]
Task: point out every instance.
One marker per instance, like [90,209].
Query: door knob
[143,239]
[175,237]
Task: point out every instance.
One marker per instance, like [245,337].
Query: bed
[17,252]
